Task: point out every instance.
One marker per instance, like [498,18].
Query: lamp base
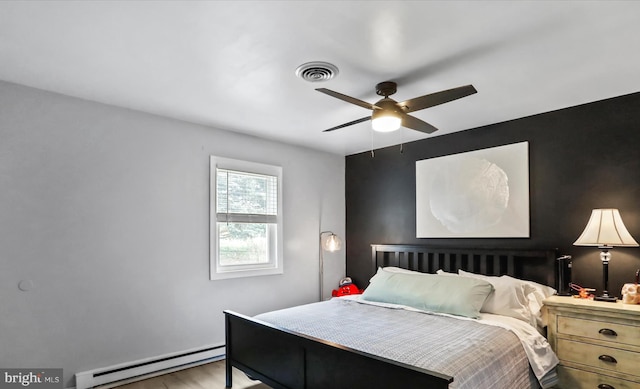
[609,299]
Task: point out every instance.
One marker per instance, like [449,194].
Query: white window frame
[275,264]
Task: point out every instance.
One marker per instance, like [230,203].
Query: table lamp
[605,230]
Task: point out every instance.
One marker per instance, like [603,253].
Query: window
[246,219]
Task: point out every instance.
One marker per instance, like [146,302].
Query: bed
[351,343]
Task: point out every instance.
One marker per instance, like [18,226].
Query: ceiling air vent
[317,71]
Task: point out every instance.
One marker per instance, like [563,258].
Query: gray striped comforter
[478,356]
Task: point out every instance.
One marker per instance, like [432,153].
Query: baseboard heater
[121,374]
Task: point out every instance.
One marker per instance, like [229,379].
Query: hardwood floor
[209,376]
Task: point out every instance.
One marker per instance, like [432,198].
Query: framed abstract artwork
[476,194]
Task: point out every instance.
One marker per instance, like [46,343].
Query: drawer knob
[608,332]
[607,358]
[605,386]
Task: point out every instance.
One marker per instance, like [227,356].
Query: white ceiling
[231,64]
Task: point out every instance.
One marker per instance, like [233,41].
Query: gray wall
[106,211]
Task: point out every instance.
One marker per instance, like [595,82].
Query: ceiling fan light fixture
[385,121]
[389,115]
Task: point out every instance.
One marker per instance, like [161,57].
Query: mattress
[477,355]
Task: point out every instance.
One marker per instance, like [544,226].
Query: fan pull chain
[402,141]
[372,153]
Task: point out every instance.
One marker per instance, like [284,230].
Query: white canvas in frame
[478,194]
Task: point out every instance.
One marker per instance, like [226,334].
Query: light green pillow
[460,296]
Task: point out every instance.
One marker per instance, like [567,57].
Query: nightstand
[598,343]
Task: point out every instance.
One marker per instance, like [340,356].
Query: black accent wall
[580,158]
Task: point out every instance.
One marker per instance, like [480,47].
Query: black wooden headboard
[533,265]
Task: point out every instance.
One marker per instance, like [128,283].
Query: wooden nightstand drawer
[599,330]
[585,352]
[606,358]
[580,379]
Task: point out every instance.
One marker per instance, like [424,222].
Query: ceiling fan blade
[348,99]
[348,124]
[437,98]
[416,124]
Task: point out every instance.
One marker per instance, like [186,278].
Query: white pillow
[510,297]
[394,269]
[536,297]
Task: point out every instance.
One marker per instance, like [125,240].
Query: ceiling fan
[388,114]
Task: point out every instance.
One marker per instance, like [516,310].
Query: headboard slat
[483,264]
[511,266]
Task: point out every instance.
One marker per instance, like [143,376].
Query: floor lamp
[605,230]
[328,242]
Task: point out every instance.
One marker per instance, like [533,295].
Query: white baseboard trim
[123,373]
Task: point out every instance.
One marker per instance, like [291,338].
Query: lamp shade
[605,229]
[332,243]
